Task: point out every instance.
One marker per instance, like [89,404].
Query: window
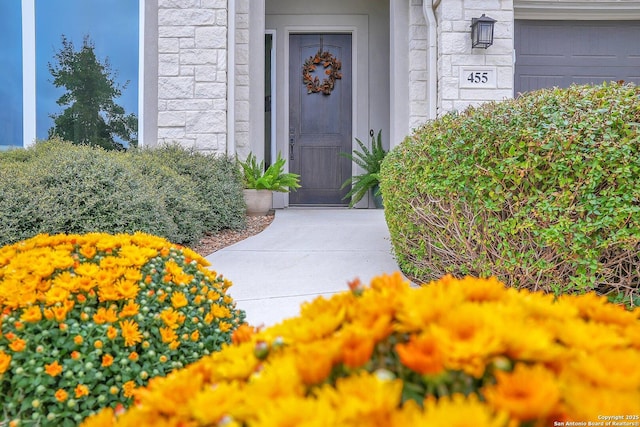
[11,71]
[113,26]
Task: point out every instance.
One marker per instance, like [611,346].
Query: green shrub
[541,191]
[178,195]
[217,180]
[58,187]
[65,188]
[87,319]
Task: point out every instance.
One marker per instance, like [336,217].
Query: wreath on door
[331,67]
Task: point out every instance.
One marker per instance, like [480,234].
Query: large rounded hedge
[542,191]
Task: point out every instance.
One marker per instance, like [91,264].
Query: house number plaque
[478,77]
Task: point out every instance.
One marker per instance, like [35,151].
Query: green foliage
[78,189]
[58,187]
[274,178]
[217,183]
[91,116]
[541,191]
[177,193]
[370,161]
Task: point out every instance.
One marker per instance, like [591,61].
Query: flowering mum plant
[87,319]
[467,352]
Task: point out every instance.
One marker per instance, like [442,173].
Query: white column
[399,70]
[28,72]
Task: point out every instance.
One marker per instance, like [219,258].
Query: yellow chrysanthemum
[105,315]
[56,295]
[130,332]
[613,369]
[461,411]
[584,402]
[31,314]
[468,336]
[178,300]
[168,335]
[130,309]
[170,317]
[210,404]
[127,289]
[362,398]
[220,312]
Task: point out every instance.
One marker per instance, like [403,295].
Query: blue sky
[112,25]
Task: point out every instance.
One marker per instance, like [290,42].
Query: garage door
[558,53]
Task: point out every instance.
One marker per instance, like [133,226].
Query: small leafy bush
[455,352]
[541,191]
[87,319]
[217,182]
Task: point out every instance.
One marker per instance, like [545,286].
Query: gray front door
[558,53]
[319,124]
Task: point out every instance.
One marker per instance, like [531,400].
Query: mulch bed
[216,241]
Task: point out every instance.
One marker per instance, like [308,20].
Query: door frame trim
[357,26]
[274,92]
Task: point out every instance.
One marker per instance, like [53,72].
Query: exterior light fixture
[482,31]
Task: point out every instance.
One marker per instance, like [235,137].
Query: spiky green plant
[370,161]
[273,178]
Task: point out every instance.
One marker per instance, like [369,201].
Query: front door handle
[292,142]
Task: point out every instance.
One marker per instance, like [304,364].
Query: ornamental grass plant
[456,352]
[87,319]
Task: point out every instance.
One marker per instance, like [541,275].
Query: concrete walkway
[304,253]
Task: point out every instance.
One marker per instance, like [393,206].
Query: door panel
[320,125]
[559,53]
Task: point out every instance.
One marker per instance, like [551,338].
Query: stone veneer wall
[454,51]
[418,74]
[242,98]
[192,73]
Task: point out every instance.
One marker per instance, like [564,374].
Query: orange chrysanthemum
[128,388]
[81,390]
[107,360]
[53,369]
[357,348]
[421,354]
[112,332]
[5,361]
[18,345]
[61,395]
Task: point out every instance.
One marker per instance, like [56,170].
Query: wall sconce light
[482,31]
